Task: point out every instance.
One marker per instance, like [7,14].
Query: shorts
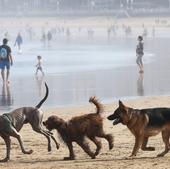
[139,59]
[4,63]
[39,68]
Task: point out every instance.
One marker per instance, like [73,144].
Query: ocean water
[76,70]
[68,58]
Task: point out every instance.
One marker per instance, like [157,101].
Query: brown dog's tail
[45,97]
[98,105]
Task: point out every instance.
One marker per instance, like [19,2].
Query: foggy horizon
[84,8]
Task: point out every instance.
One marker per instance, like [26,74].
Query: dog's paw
[69,158]
[132,156]
[49,149]
[149,149]
[111,146]
[4,160]
[58,146]
[161,154]
[93,156]
[96,153]
[30,151]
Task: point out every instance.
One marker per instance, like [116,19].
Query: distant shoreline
[82,21]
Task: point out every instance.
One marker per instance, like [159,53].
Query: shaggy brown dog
[90,125]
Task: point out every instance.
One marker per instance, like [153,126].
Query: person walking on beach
[18,42]
[5,60]
[49,37]
[39,65]
[140,53]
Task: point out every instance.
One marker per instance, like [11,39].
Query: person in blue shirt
[5,60]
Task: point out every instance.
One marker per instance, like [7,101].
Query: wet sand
[75,87]
[116,158]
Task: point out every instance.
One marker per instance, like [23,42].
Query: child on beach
[39,65]
[139,54]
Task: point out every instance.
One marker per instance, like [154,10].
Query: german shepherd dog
[76,129]
[143,124]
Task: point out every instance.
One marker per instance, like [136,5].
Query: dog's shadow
[86,160]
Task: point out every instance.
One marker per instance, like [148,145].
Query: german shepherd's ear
[121,105]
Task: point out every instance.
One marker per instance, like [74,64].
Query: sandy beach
[116,158]
[154,82]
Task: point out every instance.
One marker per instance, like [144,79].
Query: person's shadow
[6,99]
[140,86]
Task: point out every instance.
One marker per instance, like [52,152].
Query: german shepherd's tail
[45,97]
[98,105]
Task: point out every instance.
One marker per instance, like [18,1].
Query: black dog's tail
[45,97]
[98,105]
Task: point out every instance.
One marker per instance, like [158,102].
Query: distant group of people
[46,37]
[6,59]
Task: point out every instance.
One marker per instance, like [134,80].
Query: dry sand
[116,158]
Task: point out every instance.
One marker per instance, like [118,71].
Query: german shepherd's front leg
[137,146]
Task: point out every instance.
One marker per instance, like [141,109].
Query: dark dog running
[143,124]
[90,125]
[11,123]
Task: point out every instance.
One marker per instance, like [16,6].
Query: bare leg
[7,75]
[3,75]
[19,48]
[141,65]
[36,71]
[42,72]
